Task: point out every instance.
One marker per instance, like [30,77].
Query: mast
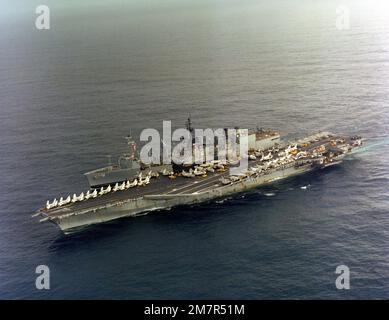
[189,124]
[132,146]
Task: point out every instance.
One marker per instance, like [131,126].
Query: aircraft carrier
[164,187]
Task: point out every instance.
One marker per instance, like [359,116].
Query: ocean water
[70,94]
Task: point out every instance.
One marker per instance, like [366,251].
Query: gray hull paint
[132,207]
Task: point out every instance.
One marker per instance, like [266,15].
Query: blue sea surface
[70,94]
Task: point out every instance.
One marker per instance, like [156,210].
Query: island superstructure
[149,188]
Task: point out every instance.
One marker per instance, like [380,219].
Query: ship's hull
[146,203]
